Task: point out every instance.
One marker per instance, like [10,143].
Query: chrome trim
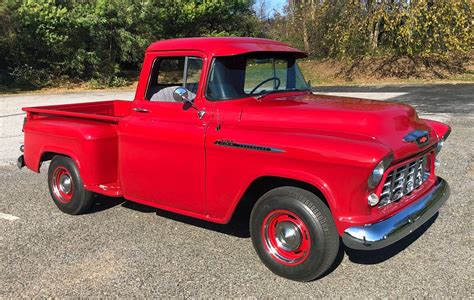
[386,232]
[403,179]
[65,183]
[201,114]
[22,148]
[229,143]
[287,236]
[140,110]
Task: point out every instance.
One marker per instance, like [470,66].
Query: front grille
[404,180]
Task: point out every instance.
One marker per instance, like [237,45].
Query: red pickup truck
[219,121]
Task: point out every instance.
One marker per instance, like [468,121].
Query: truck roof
[224,46]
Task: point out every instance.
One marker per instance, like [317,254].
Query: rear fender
[91,145]
[44,156]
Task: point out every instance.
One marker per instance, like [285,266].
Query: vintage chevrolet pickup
[218,121]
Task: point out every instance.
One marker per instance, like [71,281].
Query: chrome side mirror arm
[181,95]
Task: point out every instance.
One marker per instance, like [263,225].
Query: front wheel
[293,233]
[66,188]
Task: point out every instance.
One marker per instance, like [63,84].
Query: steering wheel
[265,81]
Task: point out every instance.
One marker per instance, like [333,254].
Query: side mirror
[181,94]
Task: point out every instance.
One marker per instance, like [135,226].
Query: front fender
[442,130]
[338,166]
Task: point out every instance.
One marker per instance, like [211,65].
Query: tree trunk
[305,36]
[374,38]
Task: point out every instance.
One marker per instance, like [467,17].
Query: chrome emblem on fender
[420,137]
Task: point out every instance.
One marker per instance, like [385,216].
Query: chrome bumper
[388,231]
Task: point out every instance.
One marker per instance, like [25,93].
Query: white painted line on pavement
[8,217]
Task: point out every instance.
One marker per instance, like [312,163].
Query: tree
[43,41]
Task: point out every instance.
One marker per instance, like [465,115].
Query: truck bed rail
[109,111]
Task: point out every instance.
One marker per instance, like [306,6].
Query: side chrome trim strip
[229,143]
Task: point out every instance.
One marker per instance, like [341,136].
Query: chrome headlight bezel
[377,173]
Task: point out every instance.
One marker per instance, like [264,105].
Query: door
[162,158]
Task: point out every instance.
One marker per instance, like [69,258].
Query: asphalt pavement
[123,249]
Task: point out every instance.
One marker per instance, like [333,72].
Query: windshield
[253,74]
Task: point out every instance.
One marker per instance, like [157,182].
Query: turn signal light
[373,199]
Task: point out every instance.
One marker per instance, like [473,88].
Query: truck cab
[219,121]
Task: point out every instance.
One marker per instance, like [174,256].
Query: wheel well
[48,156]
[264,184]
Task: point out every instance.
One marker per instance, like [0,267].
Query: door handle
[140,110]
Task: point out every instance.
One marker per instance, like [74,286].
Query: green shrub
[43,41]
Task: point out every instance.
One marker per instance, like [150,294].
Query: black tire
[70,198]
[280,207]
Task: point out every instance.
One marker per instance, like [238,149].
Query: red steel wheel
[293,233]
[62,184]
[66,187]
[286,237]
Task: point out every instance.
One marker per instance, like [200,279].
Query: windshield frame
[286,55]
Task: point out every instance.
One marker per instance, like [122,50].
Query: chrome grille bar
[404,180]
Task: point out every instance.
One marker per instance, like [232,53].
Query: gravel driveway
[123,249]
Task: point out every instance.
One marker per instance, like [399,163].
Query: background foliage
[382,38]
[354,28]
[45,42]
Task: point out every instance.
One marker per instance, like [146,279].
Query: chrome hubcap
[65,183]
[287,236]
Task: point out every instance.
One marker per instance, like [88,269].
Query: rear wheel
[66,188]
[293,233]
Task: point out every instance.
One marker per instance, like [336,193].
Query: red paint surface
[167,157]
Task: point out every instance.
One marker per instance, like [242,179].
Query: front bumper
[388,231]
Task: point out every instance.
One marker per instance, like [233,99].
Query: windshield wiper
[278,91]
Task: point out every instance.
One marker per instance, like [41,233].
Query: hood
[385,122]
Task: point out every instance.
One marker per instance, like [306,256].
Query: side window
[169,73]
[193,74]
[259,70]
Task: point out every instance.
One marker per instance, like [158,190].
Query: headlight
[440,145]
[376,175]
